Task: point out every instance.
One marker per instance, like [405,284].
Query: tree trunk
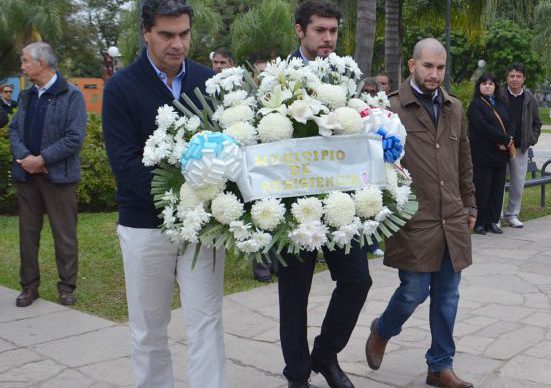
[393,41]
[365,34]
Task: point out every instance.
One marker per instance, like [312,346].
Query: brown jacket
[439,161]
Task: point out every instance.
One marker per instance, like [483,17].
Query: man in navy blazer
[316,26]
[152,264]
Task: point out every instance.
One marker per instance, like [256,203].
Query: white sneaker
[514,222]
[378,252]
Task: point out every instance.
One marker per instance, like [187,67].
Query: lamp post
[114,53]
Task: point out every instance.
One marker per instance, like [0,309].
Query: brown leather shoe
[446,378]
[67,298]
[375,347]
[26,298]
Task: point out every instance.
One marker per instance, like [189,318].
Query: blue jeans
[415,287]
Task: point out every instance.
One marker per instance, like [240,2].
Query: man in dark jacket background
[152,263]
[46,135]
[526,123]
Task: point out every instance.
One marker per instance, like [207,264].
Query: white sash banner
[312,165]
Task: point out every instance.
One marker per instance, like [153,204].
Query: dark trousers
[34,198]
[489,183]
[351,273]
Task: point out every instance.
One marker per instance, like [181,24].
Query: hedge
[96,189]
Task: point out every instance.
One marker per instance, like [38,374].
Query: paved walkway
[503,330]
[542,150]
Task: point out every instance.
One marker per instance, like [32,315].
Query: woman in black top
[490,137]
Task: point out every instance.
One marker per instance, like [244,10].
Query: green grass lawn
[101,278]
[544,115]
[100,286]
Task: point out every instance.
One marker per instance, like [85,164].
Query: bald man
[435,245]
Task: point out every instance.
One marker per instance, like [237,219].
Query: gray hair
[41,51]
[368,81]
[430,44]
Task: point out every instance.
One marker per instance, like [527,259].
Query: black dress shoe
[494,228]
[333,374]
[479,230]
[299,384]
[26,298]
[67,298]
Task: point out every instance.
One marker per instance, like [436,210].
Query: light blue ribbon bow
[204,141]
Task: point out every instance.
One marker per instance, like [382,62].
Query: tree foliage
[265,31]
[507,43]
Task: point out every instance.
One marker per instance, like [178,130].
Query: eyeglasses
[7,91]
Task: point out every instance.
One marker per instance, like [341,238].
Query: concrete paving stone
[482,294]
[541,350]
[68,378]
[542,319]
[531,369]
[497,329]
[508,252]
[260,355]
[242,321]
[10,312]
[6,345]
[537,300]
[33,373]
[107,385]
[116,373]
[478,269]
[510,344]
[413,336]
[541,258]
[318,381]
[471,325]
[271,335]
[535,279]
[13,384]
[15,358]
[176,327]
[241,376]
[506,313]
[50,327]
[474,368]
[498,283]
[254,300]
[536,268]
[179,364]
[473,344]
[96,346]
[501,382]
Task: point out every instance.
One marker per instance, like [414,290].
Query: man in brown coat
[435,245]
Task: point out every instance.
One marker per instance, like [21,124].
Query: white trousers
[151,266]
[517,168]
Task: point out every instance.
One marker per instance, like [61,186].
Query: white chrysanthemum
[248,246]
[166,116]
[261,238]
[383,214]
[310,235]
[357,104]
[391,178]
[307,209]
[197,217]
[235,98]
[177,151]
[268,213]
[170,197]
[188,198]
[193,124]
[189,233]
[339,209]
[344,235]
[243,132]
[226,208]
[332,95]
[349,119]
[369,201]
[168,217]
[240,230]
[369,227]
[401,195]
[208,192]
[236,114]
[275,127]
